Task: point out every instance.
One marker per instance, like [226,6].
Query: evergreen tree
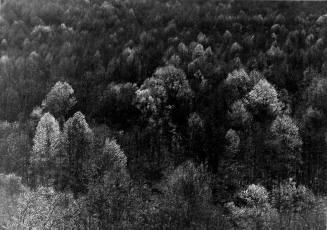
[78,147]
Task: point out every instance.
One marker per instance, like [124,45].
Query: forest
[163,114]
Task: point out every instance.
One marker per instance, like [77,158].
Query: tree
[113,157]
[45,148]
[284,128]
[44,208]
[10,189]
[151,96]
[60,99]
[252,210]
[175,82]
[316,93]
[187,199]
[286,147]
[239,114]
[78,146]
[267,134]
[117,103]
[264,98]
[297,206]
[233,141]
[164,99]
[112,196]
[166,86]
[239,82]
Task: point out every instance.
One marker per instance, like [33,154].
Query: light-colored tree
[297,206]
[285,129]
[60,99]
[238,77]
[113,156]
[158,93]
[175,81]
[22,208]
[286,143]
[46,139]
[45,147]
[45,209]
[264,94]
[151,96]
[256,212]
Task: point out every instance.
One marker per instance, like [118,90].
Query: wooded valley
[163,114]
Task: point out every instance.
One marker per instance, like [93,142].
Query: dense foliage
[166,114]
